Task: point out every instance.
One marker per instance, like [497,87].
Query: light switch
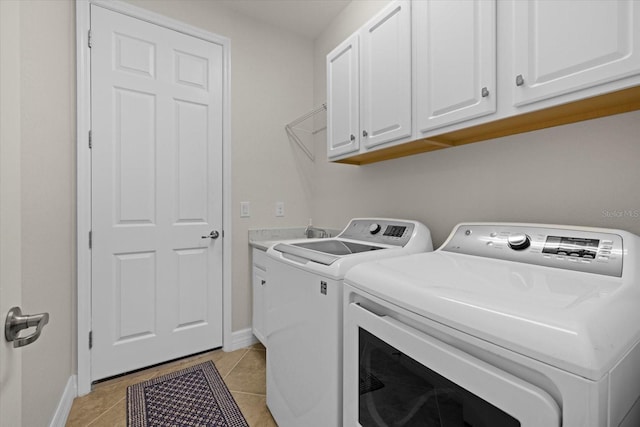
[245,210]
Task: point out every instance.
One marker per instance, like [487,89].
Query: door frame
[83,172]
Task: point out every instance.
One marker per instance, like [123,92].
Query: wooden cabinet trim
[621,101]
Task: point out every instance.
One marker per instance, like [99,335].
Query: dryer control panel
[571,248]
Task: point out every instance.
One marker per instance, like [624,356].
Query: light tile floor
[244,372]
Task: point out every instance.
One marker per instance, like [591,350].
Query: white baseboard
[241,339]
[66,400]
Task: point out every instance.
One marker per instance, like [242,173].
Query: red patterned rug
[195,396]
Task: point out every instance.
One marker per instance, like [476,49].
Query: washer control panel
[379,230]
[581,249]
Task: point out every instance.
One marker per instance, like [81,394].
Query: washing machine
[304,314]
[504,325]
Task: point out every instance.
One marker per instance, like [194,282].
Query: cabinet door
[259,288]
[343,98]
[386,75]
[455,56]
[565,45]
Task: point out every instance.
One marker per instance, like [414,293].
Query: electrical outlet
[245,210]
[279,208]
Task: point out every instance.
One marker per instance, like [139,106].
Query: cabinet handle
[364,133]
[519,80]
[263,282]
[485,92]
[353,137]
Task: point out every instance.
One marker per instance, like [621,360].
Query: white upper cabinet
[455,61]
[386,75]
[343,99]
[566,45]
[439,73]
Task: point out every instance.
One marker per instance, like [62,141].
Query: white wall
[271,84]
[584,173]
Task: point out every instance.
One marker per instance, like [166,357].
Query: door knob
[213,235]
[16,322]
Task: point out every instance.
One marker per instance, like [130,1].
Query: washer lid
[325,251]
[579,322]
[337,247]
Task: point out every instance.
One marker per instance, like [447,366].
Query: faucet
[310,230]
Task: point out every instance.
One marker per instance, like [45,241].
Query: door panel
[259,284]
[191,70]
[343,98]
[135,286]
[386,76]
[156,190]
[450,76]
[563,46]
[135,146]
[191,287]
[134,56]
[191,161]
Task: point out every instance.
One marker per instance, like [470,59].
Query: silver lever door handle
[16,322]
[213,235]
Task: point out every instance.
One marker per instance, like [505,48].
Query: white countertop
[263,238]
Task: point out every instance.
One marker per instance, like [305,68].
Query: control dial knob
[374,228]
[519,241]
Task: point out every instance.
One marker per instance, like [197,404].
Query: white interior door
[10,235]
[156,102]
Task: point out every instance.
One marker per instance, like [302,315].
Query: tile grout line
[105,411]
[229,373]
[250,394]
[236,364]
[94,420]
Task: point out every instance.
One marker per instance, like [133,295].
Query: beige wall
[47,88]
[575,174]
